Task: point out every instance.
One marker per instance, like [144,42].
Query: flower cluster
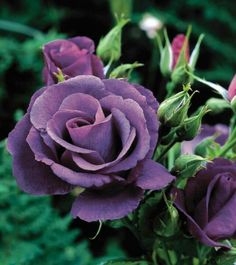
[108,142]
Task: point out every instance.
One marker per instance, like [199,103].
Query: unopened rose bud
[217,105]
[173,110]
[191,126]
[187,166]
[166,59]
[177,46]
[109,47]
[180,75]
[169,224]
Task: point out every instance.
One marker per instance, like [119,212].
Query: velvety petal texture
[208,202]
[73,57]
[95,134]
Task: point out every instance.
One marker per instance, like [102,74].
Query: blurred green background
[37,230]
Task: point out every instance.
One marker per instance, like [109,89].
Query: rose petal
[32,176]
[85,180]
[97,66]
[223,224]
[85,103]
[152,175]
[106,204]
[223,190]
[80,66]
[201,213]
[135,115]
[83,43]
[56,129]
[84,163]
[194,228]
[99,137]
[145,99]
[46,105]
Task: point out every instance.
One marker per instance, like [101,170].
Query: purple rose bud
[73,57]
[208,202]
[232,88]
[220,131]
[177,45]
[98,135]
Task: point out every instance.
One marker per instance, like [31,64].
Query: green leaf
[195,53]
[217,88]
[146,218]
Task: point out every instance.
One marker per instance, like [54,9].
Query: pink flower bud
[232,88]
[177,45]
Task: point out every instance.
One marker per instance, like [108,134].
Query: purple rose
[95,134]
[220,130]
[73,57]
[208,202]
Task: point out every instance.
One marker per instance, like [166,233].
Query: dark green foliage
[216,19]
[31,231]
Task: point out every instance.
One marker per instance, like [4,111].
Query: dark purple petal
[106,204]
[85,180]
[46,105]
[194,228]
[84,43]
[62,52]
[32,176]
[201,212]
[151,100]
[84,163]
[223,190]
[97,66]
[145,99]
[99,137]
[223,224]
[152,175]
[85,103]
[135,115]
[80,66]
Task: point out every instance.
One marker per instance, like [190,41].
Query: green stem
[167,256]
[131,227]
[165,150]
[227,147]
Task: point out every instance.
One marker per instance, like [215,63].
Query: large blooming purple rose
[95,134]
[73,57]
[208,202]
